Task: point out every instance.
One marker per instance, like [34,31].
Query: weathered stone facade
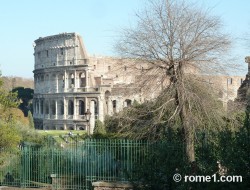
[68,83]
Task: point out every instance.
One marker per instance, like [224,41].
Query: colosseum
[72,89]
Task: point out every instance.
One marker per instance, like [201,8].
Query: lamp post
[88,114]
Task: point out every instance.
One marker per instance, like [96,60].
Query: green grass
[59,132]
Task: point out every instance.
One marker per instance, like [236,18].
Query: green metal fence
[72,164]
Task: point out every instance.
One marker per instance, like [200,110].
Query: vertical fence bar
[79,163]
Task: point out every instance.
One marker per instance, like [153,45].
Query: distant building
[244,89]
[69,84]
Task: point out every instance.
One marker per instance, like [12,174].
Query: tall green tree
[9,137]
[8,100]
[26,96]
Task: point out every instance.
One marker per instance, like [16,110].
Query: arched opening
[60,82]
[220,94]
[61,107]
[61,128]
[46,107]
[47,78]
[72,81]
[70,107]
[82,80]
[53,107]
[81,107]
[95,107]
[36,106]
[114,106]
[53,82]
[107,99]
[70,128]
[127,103]
[81,128]
[42,78]
[41,106]
[53,127]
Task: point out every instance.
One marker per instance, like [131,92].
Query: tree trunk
[188,133]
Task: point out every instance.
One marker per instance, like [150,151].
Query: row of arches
[113,105]
[58,82]
[64,127]
[126,103]
[62,107]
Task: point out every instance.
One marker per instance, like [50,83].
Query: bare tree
[178,43]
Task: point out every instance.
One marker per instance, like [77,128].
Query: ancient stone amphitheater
[72,89]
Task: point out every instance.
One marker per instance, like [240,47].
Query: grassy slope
[59,132]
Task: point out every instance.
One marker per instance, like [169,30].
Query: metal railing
[73,163]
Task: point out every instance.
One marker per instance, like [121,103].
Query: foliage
[8,100]
[9,137]
[229,147]
[14,127]
[26,96]
[31,121]
[99,128]
[152,119]
[30,135]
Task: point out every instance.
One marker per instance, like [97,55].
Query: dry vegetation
[12,82]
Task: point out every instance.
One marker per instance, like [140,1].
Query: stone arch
[107,106]
[42,106]
[46,78]
[82,77]
[81,128]
[81,107]
[127,103]
[36,106]
[53,82]
[114,105]
[71,80]
[70,127]
[107,94]
[46,107]
[61,107]
[36,78]
[53,127]
[61,128]
[46,82]
[70,107]
[42,78]
[53,107]
[61,81]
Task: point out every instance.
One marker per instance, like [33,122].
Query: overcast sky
[97,21]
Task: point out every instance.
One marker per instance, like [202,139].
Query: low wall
[19,188]
[102,185]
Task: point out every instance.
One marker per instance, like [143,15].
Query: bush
[99,128]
